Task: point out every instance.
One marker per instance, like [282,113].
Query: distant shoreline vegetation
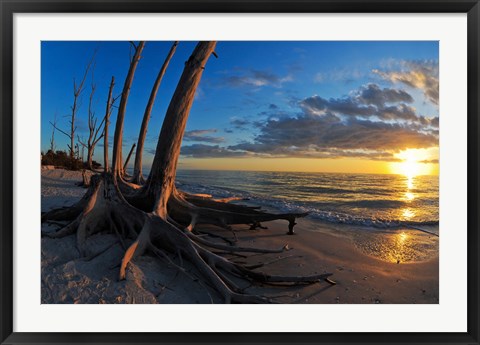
[61,159]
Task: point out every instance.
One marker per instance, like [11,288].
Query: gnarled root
[85,180]
[159,236]
[72,212]
[138,179]
[104,210]
[224,214]
[217,204]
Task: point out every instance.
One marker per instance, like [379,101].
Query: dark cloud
[400,111]
[434,121]
[423,75]
[272,106]
[373,94]
[325,136]
[346,106]
[370,100]
[312,135]
[429,161]
[239,123]
[209,151]
[202,136]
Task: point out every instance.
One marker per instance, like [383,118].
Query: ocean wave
[317,210]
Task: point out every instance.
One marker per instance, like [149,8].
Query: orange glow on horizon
[340,165]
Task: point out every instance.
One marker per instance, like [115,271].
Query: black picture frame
[10,7]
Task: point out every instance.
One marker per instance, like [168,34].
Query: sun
[412,163]
[410,167]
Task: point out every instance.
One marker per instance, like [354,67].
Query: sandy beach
[400,266]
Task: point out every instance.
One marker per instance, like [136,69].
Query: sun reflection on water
[409,196]
[399,247]
[408,213]
[410,182]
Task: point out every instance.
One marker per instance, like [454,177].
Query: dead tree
[52,138]
[164,220]
[137,169]
[117,168]
[77,91]
[128,157]
[108,112]
[94,130]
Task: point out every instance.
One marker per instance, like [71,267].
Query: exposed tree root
[159,235]
[138,179]
[224,214]
[85,179]
[72,212]
[217,204]
[190,210]
[106,210]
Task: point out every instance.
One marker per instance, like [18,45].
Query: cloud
[317,105]
[210,151]
[371,123]
[368,101]
[239,123]
[421,75]
[325,136]
[434,161]
[256,78]
[346,74]
[201,135]
[373,94]
[315,136]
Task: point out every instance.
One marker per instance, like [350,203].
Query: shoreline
[317,247]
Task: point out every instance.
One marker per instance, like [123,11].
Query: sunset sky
[369,107]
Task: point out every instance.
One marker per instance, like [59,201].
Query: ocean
[365,200]
[393,218]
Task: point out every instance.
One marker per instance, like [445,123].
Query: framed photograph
[214,172]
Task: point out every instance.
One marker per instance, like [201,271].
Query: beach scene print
[245,172]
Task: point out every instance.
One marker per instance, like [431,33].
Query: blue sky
[263,100]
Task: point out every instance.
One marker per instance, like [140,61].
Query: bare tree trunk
[137,169]
[95,133]
[108,111]
[118,137]
[52,139]
[77,90]
[128,157]
[162,176]
[90,159]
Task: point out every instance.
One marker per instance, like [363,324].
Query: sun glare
[412,163]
